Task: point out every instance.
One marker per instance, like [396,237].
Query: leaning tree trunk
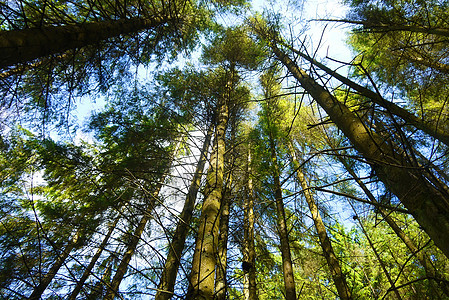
[47,278]
[19,46]
[429,207]
[429,128]
[332,261]
[249,252]
[201,285]
[132,245]
[168,278]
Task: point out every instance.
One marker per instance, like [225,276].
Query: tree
[387,166]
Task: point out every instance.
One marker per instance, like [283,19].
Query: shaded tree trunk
[19,46]
[429,207]
[168,277]
[332,261]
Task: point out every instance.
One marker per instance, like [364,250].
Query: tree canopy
[233,158]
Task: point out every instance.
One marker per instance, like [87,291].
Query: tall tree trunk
[249,252]
[168,277]
[132,245]
[48,277]
[429,128]
[19,46]
[337,275]
[201,285]
[93,261]
[287,265]
[429,207]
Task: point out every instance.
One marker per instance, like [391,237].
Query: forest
[219,149]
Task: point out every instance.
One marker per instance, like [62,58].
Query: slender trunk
[202,276]
[428,206]
[93,261]
[287,265]
[220,280]
[19,46]
[430,128]
[337,275]
[168,277]
[249,252]
[424,260]
[47,278]
[132,245]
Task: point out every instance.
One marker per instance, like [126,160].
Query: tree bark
[202,276]
[429,207]
[20,46]
[47,278]
[168,277]
[332,261]
[249,252]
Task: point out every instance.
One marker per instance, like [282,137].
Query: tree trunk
[431,129]
[132,245]
[168,277]
[19,46]
[325,243]
[249,252]
[93,261]
[287,265]
[201,285]
[47,278]
[428,206]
